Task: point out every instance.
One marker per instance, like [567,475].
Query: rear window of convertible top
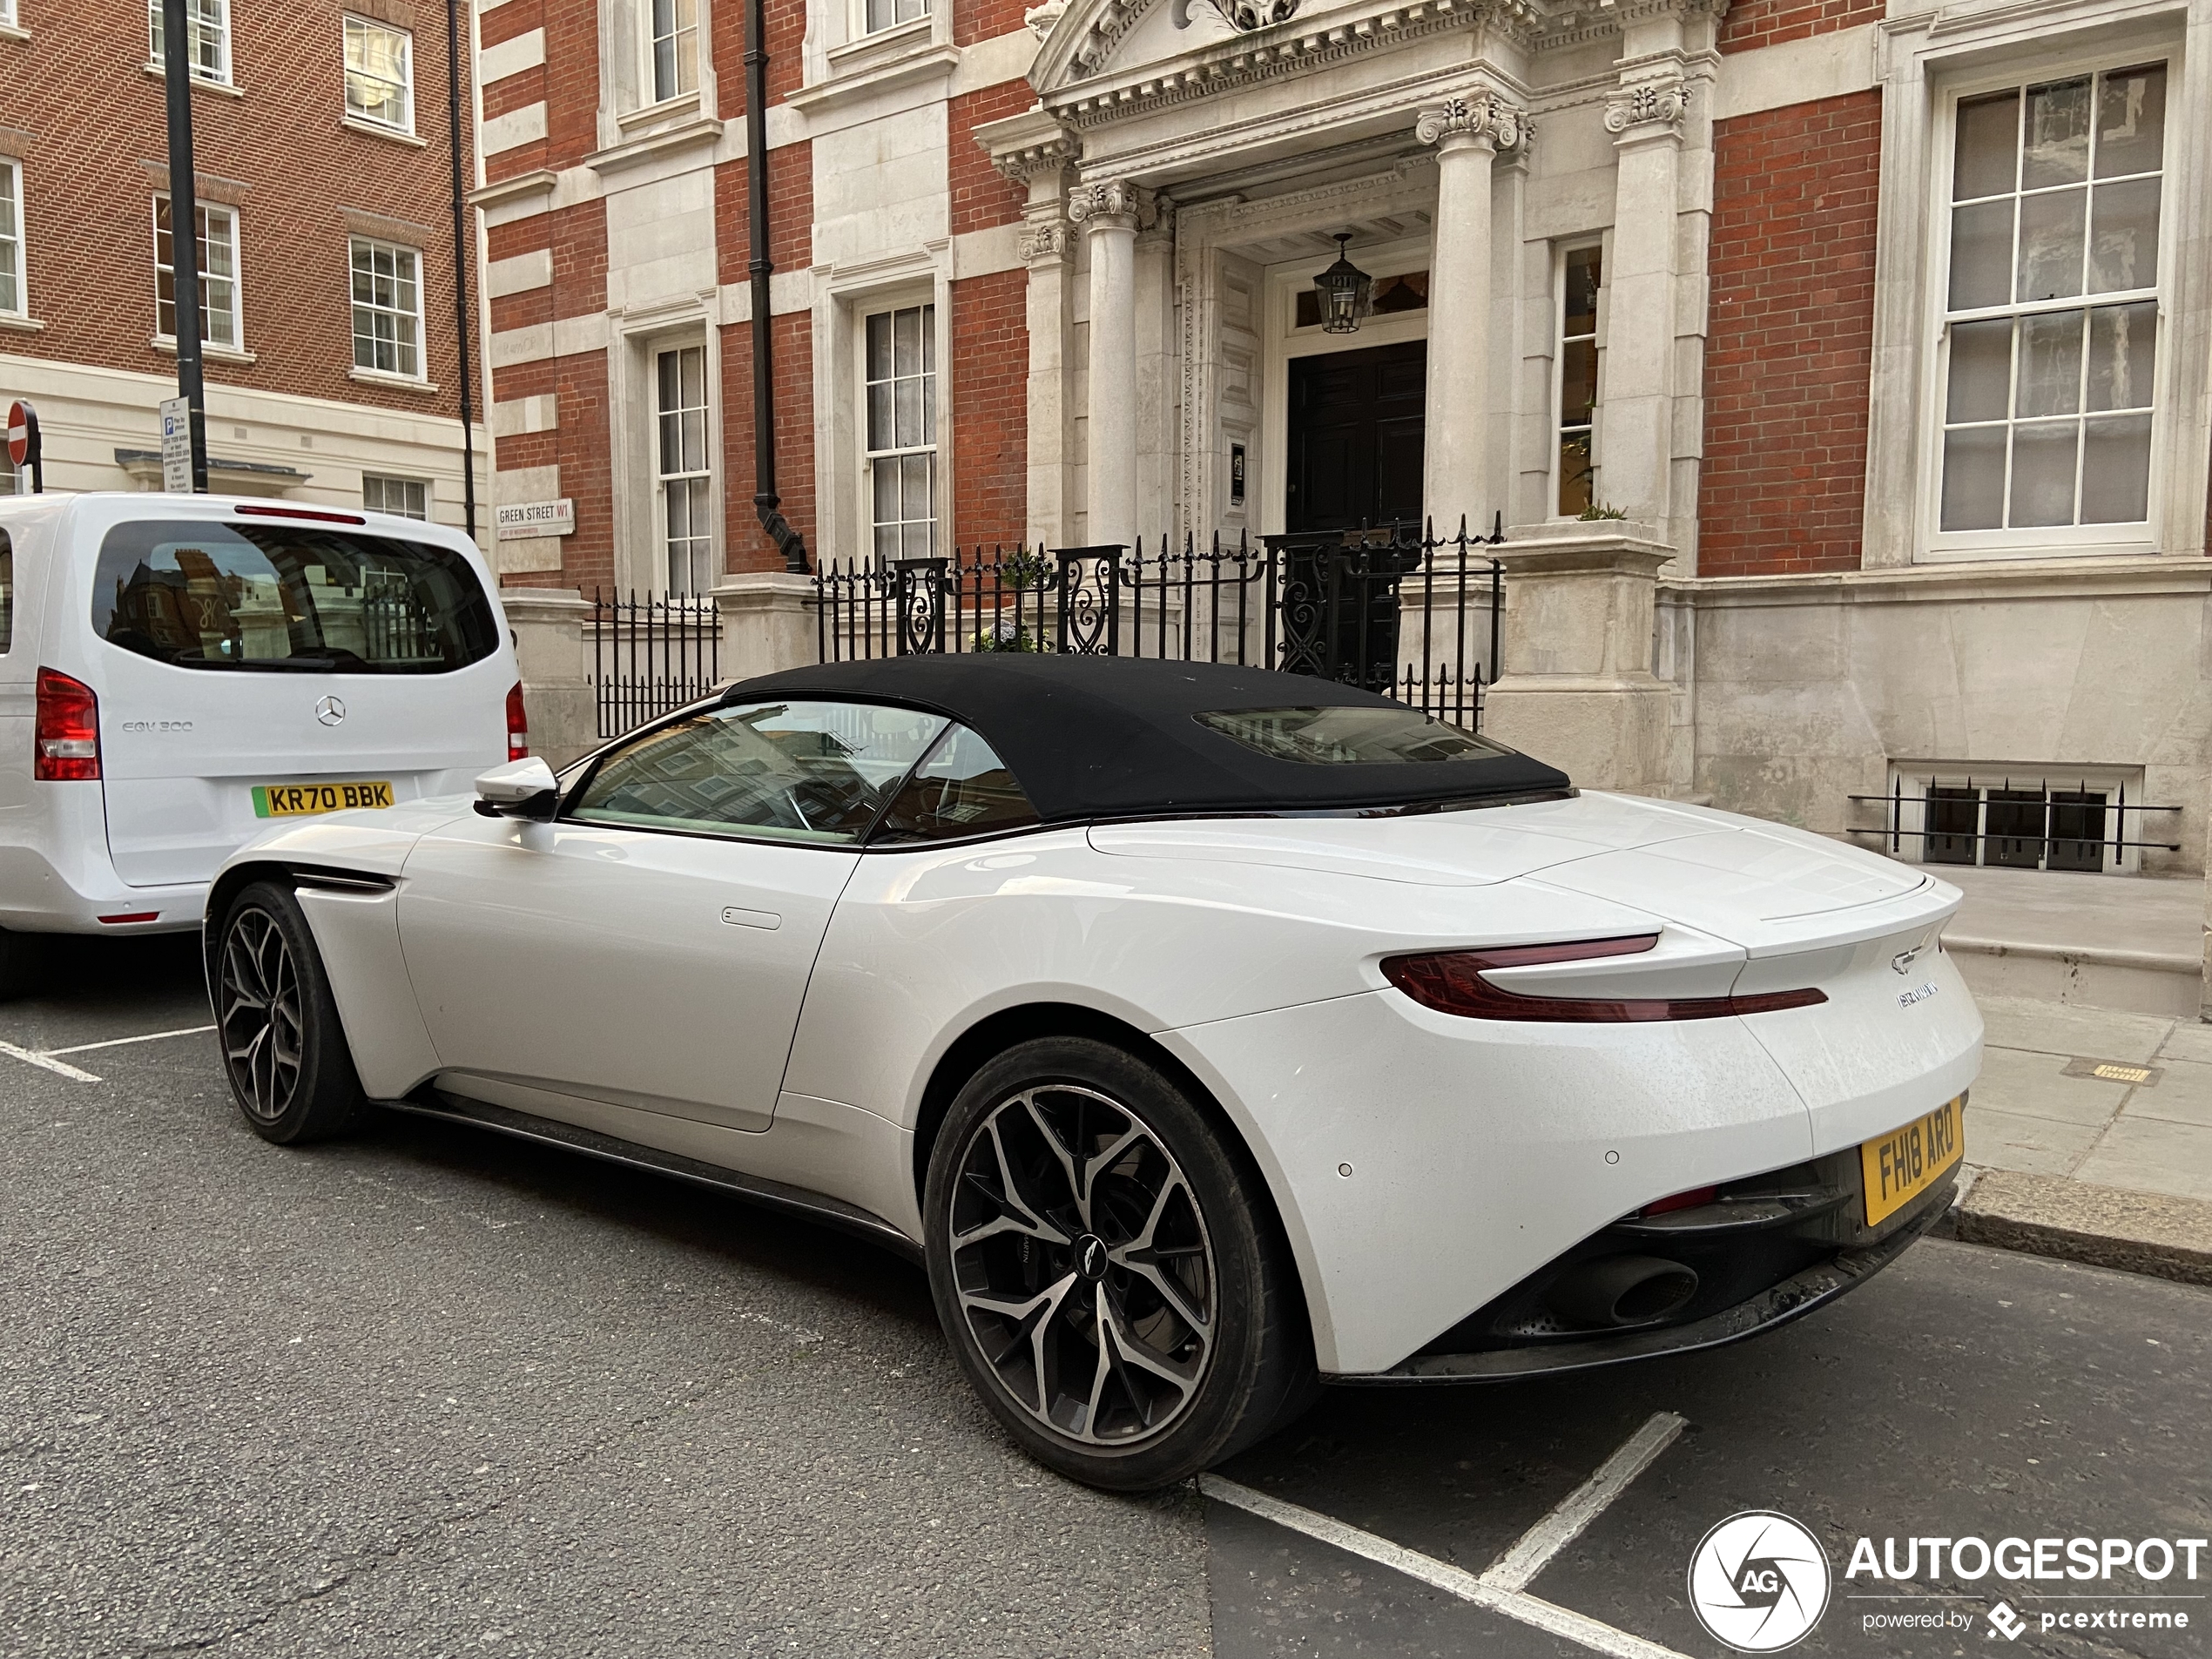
[284,598]
[1351,736]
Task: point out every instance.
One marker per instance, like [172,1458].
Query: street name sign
[517,519]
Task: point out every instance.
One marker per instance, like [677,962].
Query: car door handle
[738,918]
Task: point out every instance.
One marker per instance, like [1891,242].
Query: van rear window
[281,598]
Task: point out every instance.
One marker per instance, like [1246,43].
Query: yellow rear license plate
[304,800]
[1899,1166]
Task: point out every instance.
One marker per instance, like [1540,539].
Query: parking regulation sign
[23,432]
[175,445]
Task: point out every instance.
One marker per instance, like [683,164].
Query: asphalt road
[433,1393]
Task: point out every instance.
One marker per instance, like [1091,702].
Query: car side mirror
[520,789]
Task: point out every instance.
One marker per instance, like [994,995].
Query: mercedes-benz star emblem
[330,710]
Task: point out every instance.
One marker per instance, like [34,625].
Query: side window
[7,593]
[963,789]
[791,771]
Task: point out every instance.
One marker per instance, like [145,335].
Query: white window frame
[2006,44]
[933,378]
[1555,404]
[14,259]
[7,21]
[893,14]
[236,343]
[2064,540]
[385,483]
[350,26]
[209,20]
[650,38]
[356,306]
[696,481]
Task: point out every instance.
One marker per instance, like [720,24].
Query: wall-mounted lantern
[1345,291]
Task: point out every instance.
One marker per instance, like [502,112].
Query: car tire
[21,957]
[1108,1270]
[284,1050]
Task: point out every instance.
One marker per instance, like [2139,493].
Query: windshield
[1350,736]
[283,598]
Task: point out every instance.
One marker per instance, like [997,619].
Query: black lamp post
[1345,291]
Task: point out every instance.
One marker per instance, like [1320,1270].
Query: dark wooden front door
[1355,438]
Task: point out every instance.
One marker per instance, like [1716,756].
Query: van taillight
[68,745]
[518,725]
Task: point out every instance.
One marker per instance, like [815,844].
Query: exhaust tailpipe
[1621,1290]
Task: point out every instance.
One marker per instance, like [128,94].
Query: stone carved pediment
[1109,60]
[1084,39]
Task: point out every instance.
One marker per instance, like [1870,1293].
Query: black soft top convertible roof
[1091,738]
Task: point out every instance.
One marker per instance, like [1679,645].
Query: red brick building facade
[322,137]
[1890,319]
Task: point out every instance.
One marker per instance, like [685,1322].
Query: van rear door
[252,671]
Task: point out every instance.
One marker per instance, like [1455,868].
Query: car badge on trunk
[330,712]
[1902,962]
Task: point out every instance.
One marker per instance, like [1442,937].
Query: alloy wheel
[260,1015]
[1085,1275]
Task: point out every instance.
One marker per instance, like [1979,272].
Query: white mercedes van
[177,672]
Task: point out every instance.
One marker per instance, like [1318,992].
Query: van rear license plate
[304,800]
[1899,1166]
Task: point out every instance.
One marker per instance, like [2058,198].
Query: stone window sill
[895,42]
[378,130]
[910,52]
[392,382]
[21,325]
[199,83]
[166,345]
[14,31]
[697,132]
[667,111]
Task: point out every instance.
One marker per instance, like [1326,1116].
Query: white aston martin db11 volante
[1206,1032]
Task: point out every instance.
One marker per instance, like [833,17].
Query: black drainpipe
[460,275]
[788,540]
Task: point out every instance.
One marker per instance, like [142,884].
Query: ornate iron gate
[1413,616]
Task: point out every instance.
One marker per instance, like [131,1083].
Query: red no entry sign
[23,430]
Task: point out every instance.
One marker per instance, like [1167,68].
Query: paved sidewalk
[2129,942]
[2089,1135]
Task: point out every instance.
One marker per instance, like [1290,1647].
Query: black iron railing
[2022,823]
[651,653]
[1415,616]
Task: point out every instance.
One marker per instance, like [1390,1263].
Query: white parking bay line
[1517,1568]
[1501,1588]
[117,1043]
[47,1062]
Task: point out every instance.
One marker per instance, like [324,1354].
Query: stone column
[1033,151]
[1468,130]
[1047,248]
[1579,691]
[1637,414]
[556,666]
[1109,214]
[768,623]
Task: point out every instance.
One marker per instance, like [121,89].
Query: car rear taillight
[68,744]
[1451,981]
[1689,1200]
[518,725]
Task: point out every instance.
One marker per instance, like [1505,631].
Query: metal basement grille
[2024,824]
